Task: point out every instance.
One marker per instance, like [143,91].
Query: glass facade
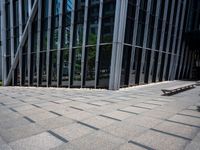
[96,43]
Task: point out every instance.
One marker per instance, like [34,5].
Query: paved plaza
[83,119]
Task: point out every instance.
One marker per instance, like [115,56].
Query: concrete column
[117,50]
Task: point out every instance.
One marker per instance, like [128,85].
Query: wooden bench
[177,89]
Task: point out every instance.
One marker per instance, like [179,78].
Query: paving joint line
[53,112]
[110,117]
[171,134]
[87,125]
[30,120]
[57,136]
[141,107]
[140,145]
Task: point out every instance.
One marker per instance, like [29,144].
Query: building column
[3,40]
[29,45]
[38,40]
[59,76]
[48,45]
[12,37]
[154,41]
[71,44]
[178,56]
[21,44]
[118,40]
[144,51]
[162,38]
[84,43]
[168,39]
[134,39]
[170,77]
[98,42]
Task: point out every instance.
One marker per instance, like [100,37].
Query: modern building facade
[98,43]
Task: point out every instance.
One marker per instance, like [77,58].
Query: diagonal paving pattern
[87,119]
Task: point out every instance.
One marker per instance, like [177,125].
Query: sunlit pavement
[82,119]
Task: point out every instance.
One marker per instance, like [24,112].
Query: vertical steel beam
[185,61]
[39,17]
[59,43]
[154,39]
[22,42]
[20,37]
[168,38]
[179,52]
[29,45]
[12,36]
[48,44]
[162,37]
[84,42]
[174,41]
[134,39]
[3,40]
[183,51]
[98,42]
[146,29]
[71,43]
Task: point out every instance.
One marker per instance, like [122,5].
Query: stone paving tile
[159,114]
[66,146]
[178,129]
[193,146]
[42,141]
[79,115]
[98,141]
[119,115]
[133,109]
[42,116]
[125,131]
[161,141]
[14,123]
[99,122]
[191,113]
[53,123]
[146,105]
[99,119]
[16,133]
[186,120]
[5,147]
[73,131]
[130,146]
[144,121]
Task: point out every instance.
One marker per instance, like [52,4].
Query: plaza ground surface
[82,119]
